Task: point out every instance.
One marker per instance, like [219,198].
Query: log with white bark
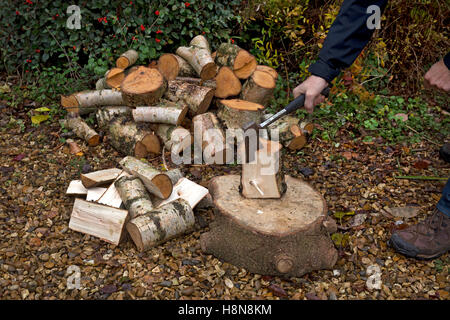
[156,182]
[134,196]
[198,55]
[200,82]
[127,59]
[171,66]
[106,223]
[165,111]
[76,188]
[235,113]
[106,115]
[161,224]
[111,196]
[187,190]
[101,84]
[239,60]
[198,98]
[175,139]
[143,87]
[209,136]
[259,88]
[100,177]
[227,83]
[85,102]
[75,123]
[174,175]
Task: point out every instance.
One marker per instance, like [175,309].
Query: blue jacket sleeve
[347,37]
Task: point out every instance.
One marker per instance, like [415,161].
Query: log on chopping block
[263,178]
[239,60]
[200,82]
[227,84]
[288,132]
[85,102]
[171,66]
[267,69]
[282,237]
[106,223]
[99,178]
[156,182]
[134,196]
[198,55]
[235,113]
[105,115]
[161,224]
[198,98]
[209,136]
[131,138]
[165,111]
[175,139]
[75,123]
[143,87]
[259,88]
[127,59]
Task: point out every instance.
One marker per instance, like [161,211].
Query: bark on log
[161,224]
[289,133]
[100,221]
[106,115]
[235,113]
[175,139]
[131,138]
[165,111]
[198,55]
[174,175]
[239,60]
[227,83]
[88,101]
[259,88]
[101,84]
[127,59]
[210,137]
[100,177]
[81,129]
[198,98]
[143,87]
[199,82]
[171,66]
[281,237]
[156,182]
[134,196]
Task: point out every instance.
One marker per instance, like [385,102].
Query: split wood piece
[99,178]
[95,193]
[114,77]
[165,111]
[106,115]
[228,84]
[269,70]
[175,139]
[75,123]
[76,188]
[239,60]
[74,148]
[209,136]
[156,182]
[198,55]
[235,113]
[198,98]
[161,224]
[127,59]
[307,127]
[134,196]
[98,220]
[171,66]
[85,102]
[187,190]
[288,133]
[204,83]
[281,237]
[131,138]
[143,87]
[263,178]
[259,88]
[111,196]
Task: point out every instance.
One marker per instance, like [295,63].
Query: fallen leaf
[347,155]
[19,157]
[358,220]
[37,119]
[42,109]
[404,212]
[422,164]
[277,291]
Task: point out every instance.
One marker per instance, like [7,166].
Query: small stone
[166,283]
[49,264]
[187,291]
[187,282]
[44,257]
[140,291]
[13,287]
[126,287]
[108,289]
[86,168]
[229,283]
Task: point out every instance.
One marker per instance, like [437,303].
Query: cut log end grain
[259,88]
[127,59]
[298,141]
[269,70]
[170,65]
[227,84]
[209,70]
[243,105]
[244,64]
[143,86]
[235,113]
[115,77]
[151,144]
[307,126]
[263,79]
[197,97]
[70,103]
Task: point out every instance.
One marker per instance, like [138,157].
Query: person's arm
[438,76]
[345,40]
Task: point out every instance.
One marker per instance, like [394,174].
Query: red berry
[187,4]
[38,50]
[74,47]
[232,40]
[17,13]
[157,40]
[158,32]
[157,12]
[142,27]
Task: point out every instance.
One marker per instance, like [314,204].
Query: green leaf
[37,119]
[341,214]
[42,109]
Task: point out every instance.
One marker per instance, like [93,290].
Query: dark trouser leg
[444,203]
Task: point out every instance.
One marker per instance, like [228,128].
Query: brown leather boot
[426,240]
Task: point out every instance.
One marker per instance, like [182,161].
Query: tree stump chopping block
[287,236]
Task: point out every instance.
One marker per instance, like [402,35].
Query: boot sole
[407,250]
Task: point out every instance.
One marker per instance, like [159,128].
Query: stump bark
[175,139]
[134,196]
[143,87]
[290,133]
[282,237]
[105,115]
[198,98]
[239,60]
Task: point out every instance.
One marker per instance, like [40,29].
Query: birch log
[200,82]
[105,115]
[127,59]
[134,196]
[143,87]
[161,224]
[156,182]
[175,139]
[74,122]
[88,101]
[239,60]
[165,111]
[198,55]
[171,66]
[198,98]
